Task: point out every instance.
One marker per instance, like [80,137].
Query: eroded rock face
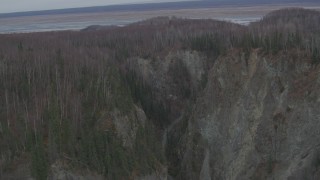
[173,79]
[127,125]
[258,118]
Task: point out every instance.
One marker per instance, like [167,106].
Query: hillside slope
[164,98]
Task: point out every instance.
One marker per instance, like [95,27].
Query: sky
[7,6]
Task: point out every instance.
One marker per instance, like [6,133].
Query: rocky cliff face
[258,118]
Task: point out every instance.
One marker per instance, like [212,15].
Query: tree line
[55,87]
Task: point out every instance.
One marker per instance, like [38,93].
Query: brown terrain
[164,98]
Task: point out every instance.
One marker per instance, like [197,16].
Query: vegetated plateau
[164,98]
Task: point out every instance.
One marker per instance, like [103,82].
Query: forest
[82,100]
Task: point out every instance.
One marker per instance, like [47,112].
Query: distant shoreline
[78,21]
[157,6]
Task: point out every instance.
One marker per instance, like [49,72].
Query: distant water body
[54,26]
[40,24]
[243,20]
[61,20]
